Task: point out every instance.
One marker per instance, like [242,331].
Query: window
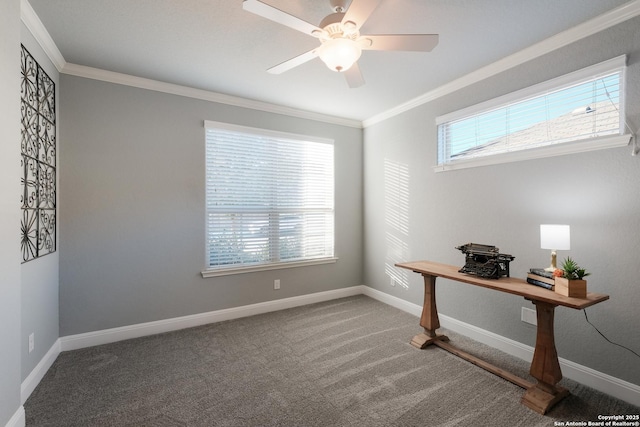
[580,111]
[269,199]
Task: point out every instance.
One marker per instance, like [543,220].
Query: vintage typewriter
[485,261]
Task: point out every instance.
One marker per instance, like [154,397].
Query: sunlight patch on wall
[396,198]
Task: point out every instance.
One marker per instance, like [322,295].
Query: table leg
[545,366]
[429,319]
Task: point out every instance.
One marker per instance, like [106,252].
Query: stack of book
[540,277]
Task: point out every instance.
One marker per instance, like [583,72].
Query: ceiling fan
[341,43]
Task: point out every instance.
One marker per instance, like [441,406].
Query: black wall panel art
[38,142]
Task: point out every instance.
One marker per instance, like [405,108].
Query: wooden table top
[510,285]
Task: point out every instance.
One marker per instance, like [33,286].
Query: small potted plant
[569,281]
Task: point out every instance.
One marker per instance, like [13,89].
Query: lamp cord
[603,336]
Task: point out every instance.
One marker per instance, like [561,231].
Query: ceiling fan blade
[354,76]
[359,12]
[405,42]
[293,62]
[276,15]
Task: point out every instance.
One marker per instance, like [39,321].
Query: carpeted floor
[345,362]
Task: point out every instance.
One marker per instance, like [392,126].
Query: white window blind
[270,197]
[583,106]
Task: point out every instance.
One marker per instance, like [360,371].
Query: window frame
[617,64]
[212,271]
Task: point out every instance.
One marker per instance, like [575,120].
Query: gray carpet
[345,362]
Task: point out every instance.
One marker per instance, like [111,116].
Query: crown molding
[564,38]
[174,89]
[608,19]
[40,33]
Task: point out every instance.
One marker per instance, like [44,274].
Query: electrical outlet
[529,316]
[392,282]
[32,342]
[276,284]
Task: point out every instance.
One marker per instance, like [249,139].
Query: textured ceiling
[216,46]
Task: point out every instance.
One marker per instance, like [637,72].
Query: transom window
[580,111]
[269,199]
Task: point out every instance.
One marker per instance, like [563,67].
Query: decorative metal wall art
[38,143]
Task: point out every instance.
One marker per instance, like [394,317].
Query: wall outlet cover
[529,316]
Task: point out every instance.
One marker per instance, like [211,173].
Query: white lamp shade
[555,237]
[339,54]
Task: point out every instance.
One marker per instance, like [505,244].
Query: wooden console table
[545,367]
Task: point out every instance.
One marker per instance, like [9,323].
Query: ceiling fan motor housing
[333,26]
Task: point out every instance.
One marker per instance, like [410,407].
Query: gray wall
[132,211]
[503,205]
[39,277]
[9,210]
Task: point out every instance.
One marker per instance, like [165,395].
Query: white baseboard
[90,339]
[605,383]
[31,382]
[18,419]
[597,380]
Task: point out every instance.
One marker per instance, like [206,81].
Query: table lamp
[554,237]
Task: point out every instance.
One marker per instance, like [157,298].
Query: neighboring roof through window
[580,111]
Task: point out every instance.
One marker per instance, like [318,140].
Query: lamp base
[552,267]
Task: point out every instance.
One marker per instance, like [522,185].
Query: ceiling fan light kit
[339,54]
[340,42]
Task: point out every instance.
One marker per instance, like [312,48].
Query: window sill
[538,153]
[265,267]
